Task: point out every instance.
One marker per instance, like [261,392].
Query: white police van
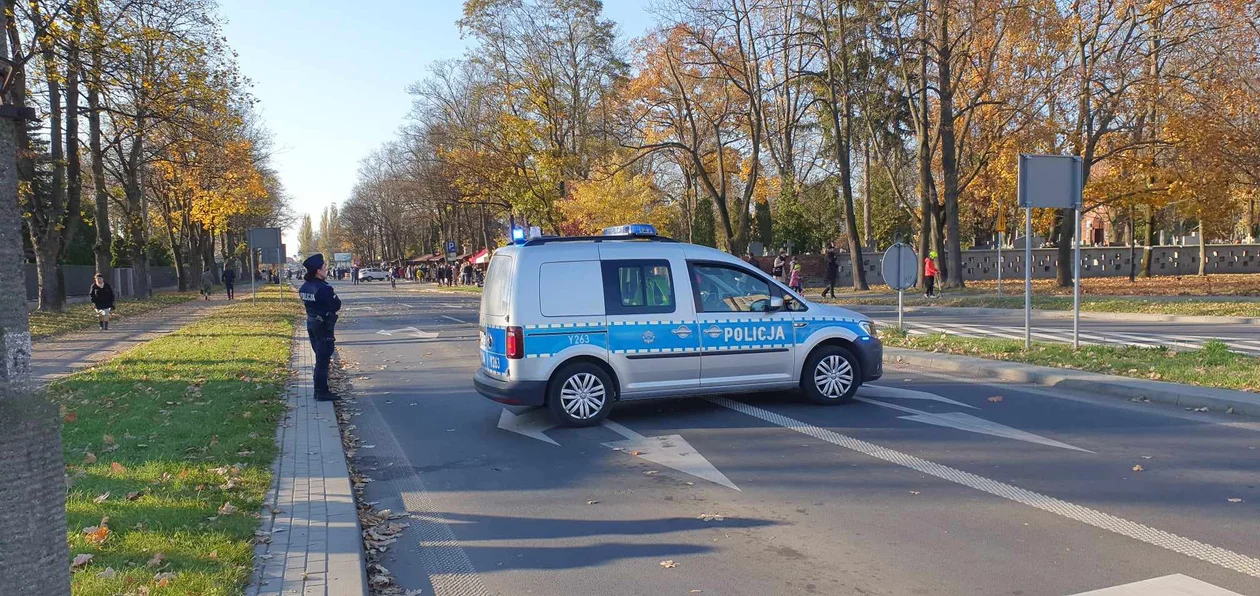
[576,323]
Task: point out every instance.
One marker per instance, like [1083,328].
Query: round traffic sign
[900,267]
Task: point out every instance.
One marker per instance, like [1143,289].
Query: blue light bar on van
[631,230]
[518,236]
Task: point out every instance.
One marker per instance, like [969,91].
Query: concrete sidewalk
[310,542]
[64,354]
[1190,396]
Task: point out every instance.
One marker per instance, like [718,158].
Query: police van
[577,323]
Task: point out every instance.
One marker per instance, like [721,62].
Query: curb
[1063,314]
[314,542]
[1188,396]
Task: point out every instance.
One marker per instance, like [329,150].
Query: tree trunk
[33,548]
[868,227]
[74,166]
[1149,242]
[926,200]
[949,159]
[1202,249]
[104,236]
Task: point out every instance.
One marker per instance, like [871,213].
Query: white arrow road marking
[1169,585]
[531,424]
[887,392]
[1167,540]
[969,423]
[412,330]
[671,451]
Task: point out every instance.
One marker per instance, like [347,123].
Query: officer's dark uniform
[322,305]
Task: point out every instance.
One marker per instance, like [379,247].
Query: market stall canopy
[482,257]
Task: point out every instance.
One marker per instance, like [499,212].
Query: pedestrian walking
[795,283]
[207,283]
[321,304]
[102,297]
[831,265]
[929,275]
[229,282]
[780,266]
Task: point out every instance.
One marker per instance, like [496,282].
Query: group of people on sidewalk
[787,270]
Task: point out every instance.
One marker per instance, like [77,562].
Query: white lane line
[1169,585]
[972,424]
[1167,540]
[450,318]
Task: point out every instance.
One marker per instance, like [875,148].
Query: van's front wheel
[581,394]
[831,375]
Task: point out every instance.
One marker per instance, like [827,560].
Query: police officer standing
[322,305]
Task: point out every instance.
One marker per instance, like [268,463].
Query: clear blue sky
[331,78]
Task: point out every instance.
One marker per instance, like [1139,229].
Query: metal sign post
[1055,182]
[900,268]
[1076,283]
[253,278]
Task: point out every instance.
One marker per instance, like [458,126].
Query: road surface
[926,485]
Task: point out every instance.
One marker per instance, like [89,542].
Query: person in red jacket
[929,275]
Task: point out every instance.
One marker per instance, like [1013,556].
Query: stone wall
[1096,262]
[79,279]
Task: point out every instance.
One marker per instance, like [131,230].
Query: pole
[900,325]
[1076,288]
[1028,278]
[999,263]
[253,278]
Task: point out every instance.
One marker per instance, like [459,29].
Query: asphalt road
[994,323]
[928,485]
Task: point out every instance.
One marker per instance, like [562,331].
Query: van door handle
[800,324]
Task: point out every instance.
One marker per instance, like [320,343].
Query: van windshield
[496,296]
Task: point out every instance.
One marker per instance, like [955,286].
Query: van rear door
[496,304]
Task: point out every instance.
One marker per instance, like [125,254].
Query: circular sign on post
[900,267]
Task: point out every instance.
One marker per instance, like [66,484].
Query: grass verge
[1212,366]
[82,316]
[1218,308]
[168,450]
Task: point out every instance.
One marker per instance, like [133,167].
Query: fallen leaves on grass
[227,509]
[156,561]
[101,498]
[97,534]
[117,469]
[164,578]
[69,416]
[89,458]
[135,495]
[81,560]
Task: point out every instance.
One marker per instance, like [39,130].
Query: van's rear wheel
[831,376]
[581,394]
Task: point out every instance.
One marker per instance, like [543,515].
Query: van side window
[638,287]
[721,288]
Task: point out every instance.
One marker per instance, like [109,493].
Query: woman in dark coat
[102,297]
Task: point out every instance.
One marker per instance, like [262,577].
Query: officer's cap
[314,262]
